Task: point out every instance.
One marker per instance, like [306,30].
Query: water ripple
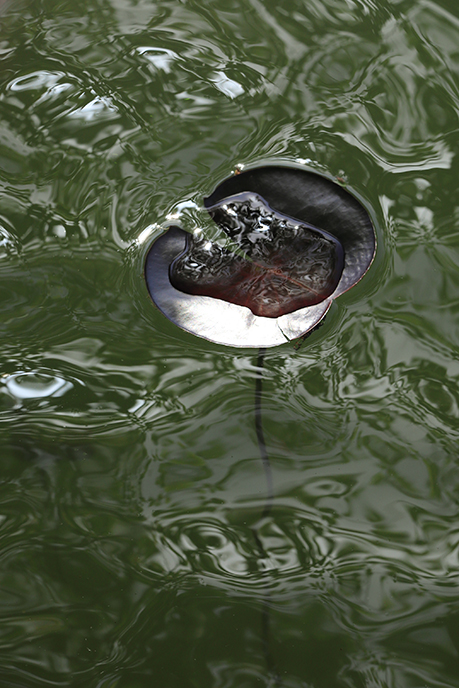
[132,544]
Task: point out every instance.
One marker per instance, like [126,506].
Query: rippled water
[132,549]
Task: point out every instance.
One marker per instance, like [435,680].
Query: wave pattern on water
[132,548]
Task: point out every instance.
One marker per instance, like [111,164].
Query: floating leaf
[295,241]
[282,265]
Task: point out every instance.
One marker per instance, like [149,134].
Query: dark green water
[132,554]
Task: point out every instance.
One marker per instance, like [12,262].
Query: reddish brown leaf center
[272,264]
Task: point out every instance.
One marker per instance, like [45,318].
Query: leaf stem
[260,434]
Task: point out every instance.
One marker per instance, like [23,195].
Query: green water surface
[132,549]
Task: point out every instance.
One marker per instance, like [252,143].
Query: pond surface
[133,551]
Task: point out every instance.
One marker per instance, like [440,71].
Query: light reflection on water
[133,552]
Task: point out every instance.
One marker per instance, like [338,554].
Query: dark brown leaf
[275,264]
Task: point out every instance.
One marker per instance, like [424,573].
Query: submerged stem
[275,679]
[260,434]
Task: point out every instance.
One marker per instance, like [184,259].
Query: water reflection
[131,484]
[36,385]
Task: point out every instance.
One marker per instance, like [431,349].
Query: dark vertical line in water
[260,434]
[275,679]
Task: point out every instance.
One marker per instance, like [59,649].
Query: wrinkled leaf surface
[272,264]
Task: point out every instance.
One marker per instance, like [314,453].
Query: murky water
[132,549]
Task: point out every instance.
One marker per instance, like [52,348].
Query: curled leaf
[294,242]
[281,265]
